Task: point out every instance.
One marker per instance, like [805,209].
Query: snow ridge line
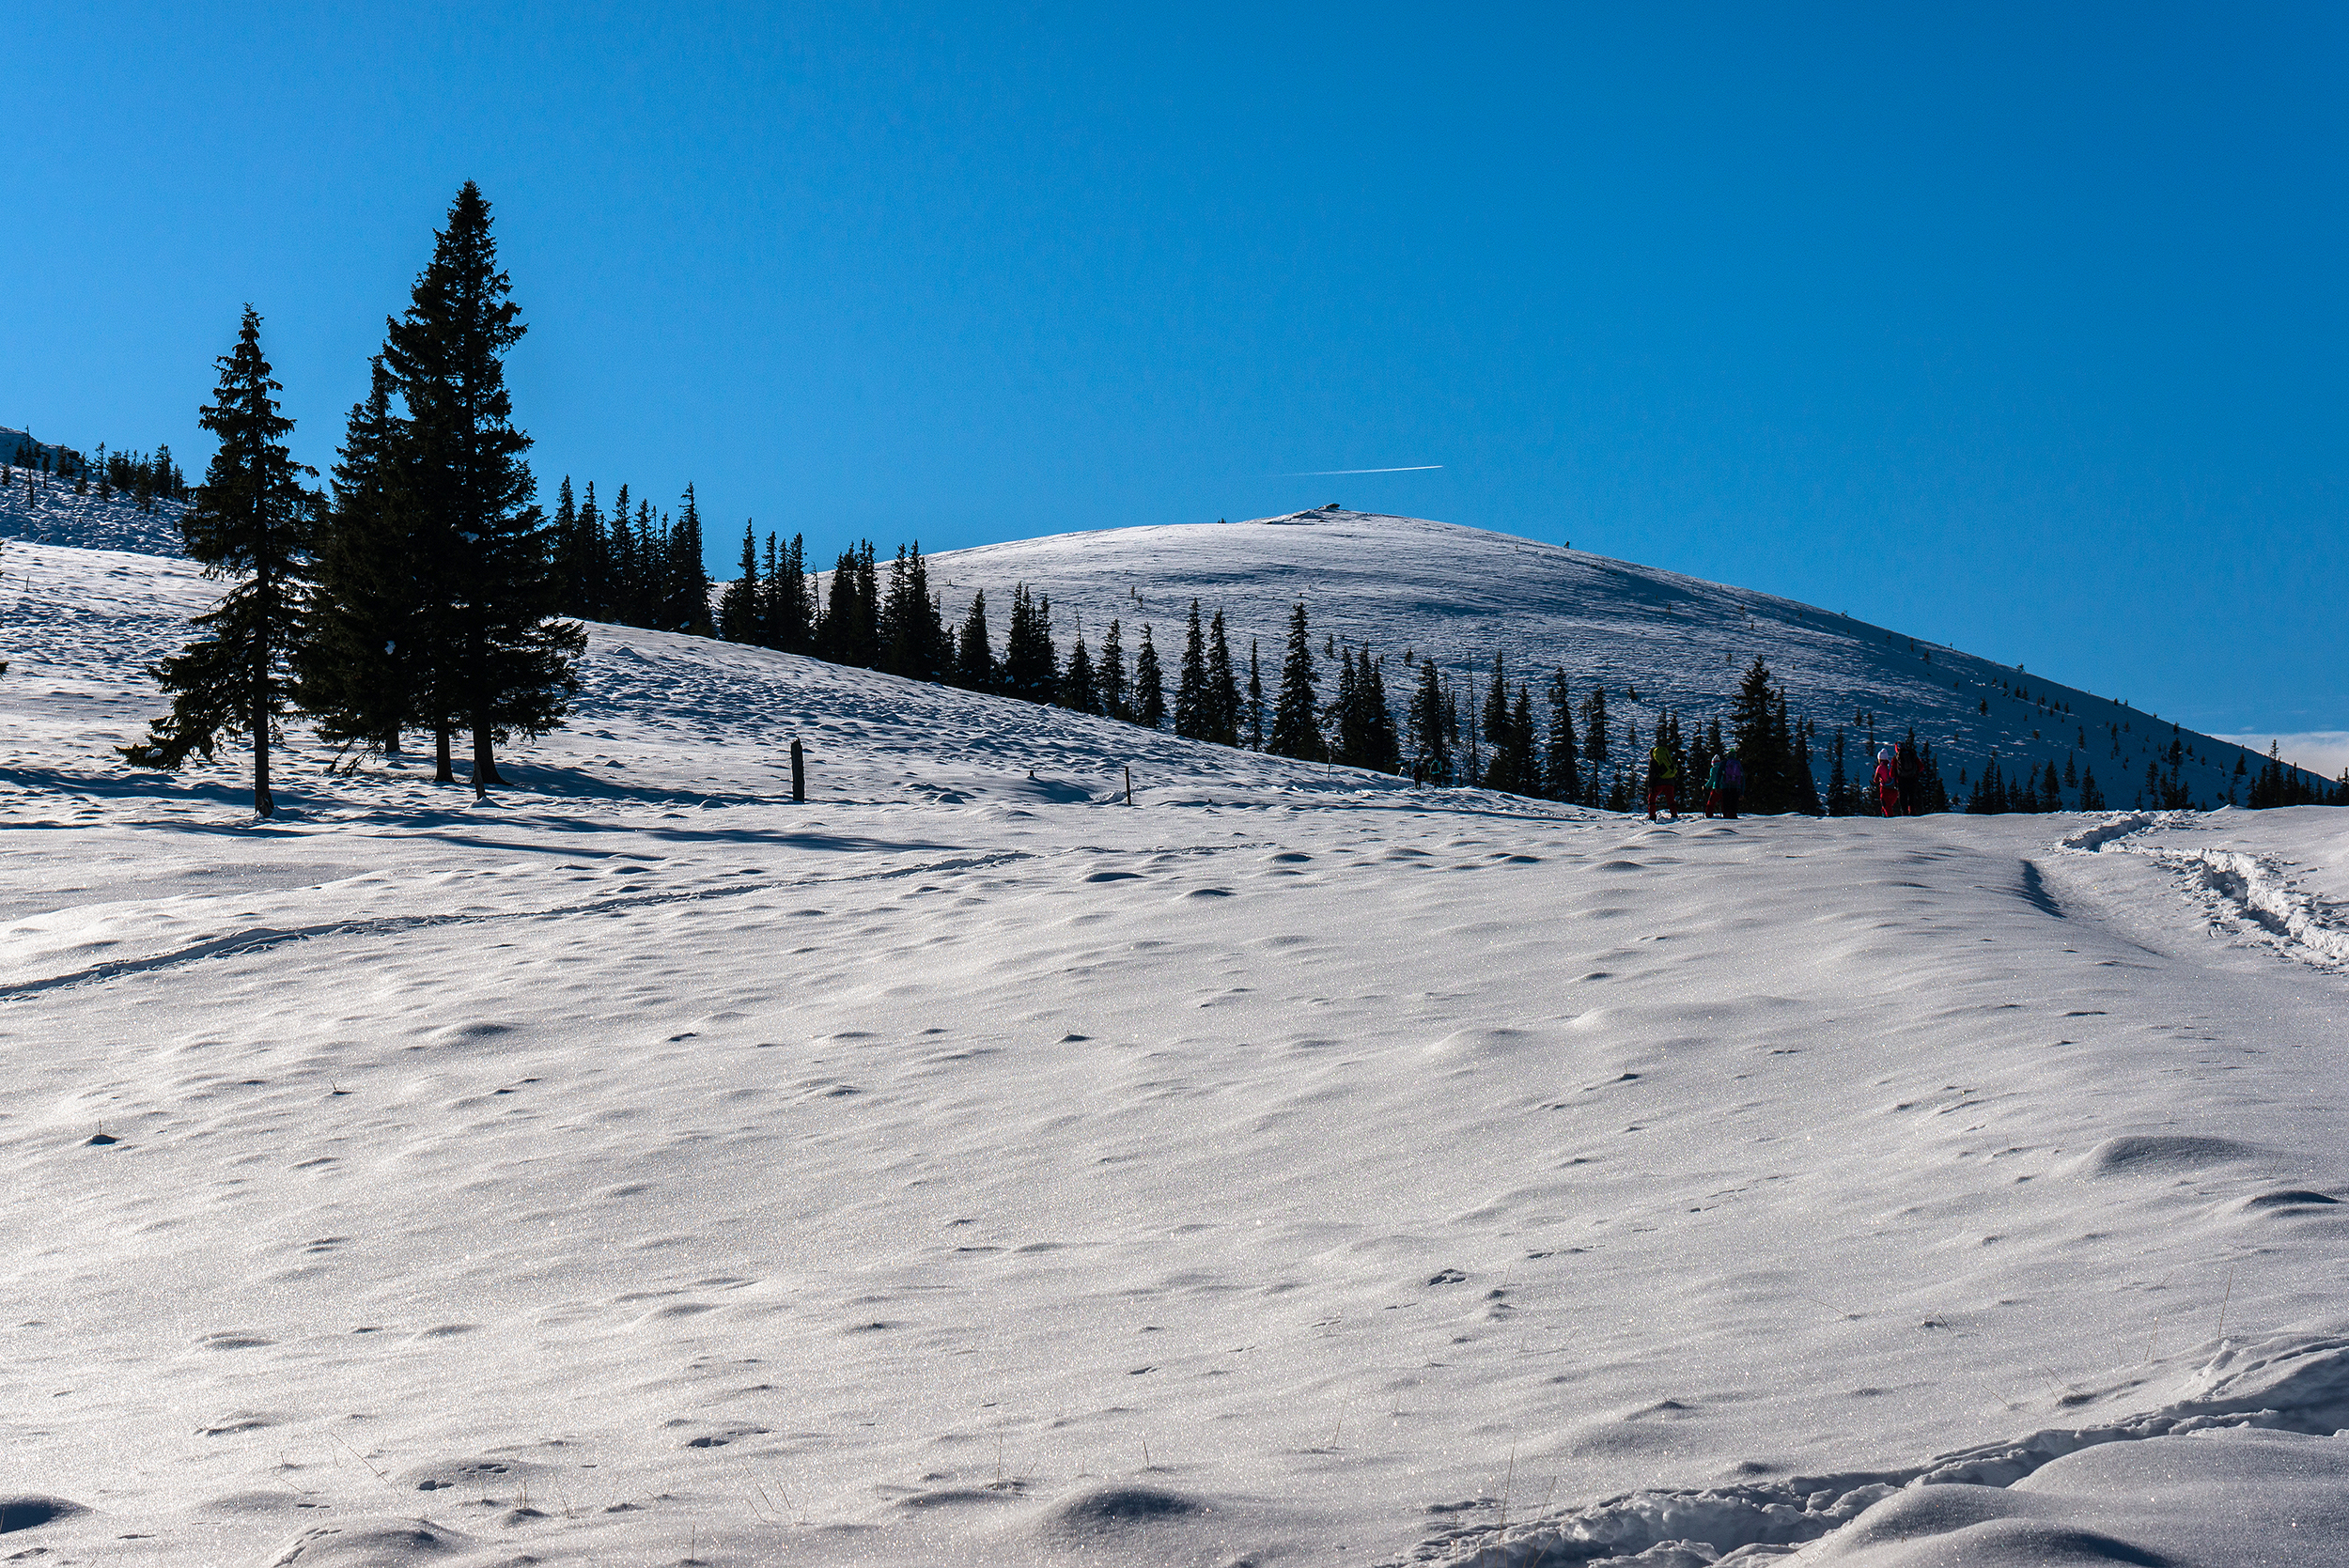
[2288,1382]
[263,938]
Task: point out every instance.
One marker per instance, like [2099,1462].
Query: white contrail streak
[1330,473]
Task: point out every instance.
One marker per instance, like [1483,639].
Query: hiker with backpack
[1723,786]
[1888,783]
[1663,781]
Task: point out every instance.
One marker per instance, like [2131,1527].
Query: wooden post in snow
[1130,786]
[799,772]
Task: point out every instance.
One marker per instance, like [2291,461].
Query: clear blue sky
[2020,327]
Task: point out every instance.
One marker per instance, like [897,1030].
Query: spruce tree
[913,633]
[563,542]
[369,639]
[974,660]
[592,565]
[1079,689]
[1562,763]
[1426,729]
[1756,715]
[1192,718]
[1500,736]
[1222,689]
[1382,747]
[501,666]
[738,605]
[251,525]
[1296,724]
[1028,667]
[1524,745]
[1112,694]
[791,598]
[1255,701]
[1839,799]
[688,607]
[1149,685]
[1594,729]
[1344,738]
[842,637]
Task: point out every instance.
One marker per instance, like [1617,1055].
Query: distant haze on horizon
[2015,329]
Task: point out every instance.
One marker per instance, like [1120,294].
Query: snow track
[2242,892]
[2288,1383]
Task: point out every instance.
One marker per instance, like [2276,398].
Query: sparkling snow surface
[965,1167]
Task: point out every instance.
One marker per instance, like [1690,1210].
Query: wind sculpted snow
[967,1167]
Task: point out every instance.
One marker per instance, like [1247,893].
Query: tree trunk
[391,741]
[484,768]
[262,803]
[444,771]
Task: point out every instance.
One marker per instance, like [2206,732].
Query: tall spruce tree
[1562,772]
[913,637]
[1030,669]
[1296,719]
[1149,685]
[1501,764]
[251,525]
[500,664]
[1426,725]
[738,603]
[1222,689]
[1255,700]
[688,605]
[1193,719]
[359,666]
[790,614]
[974,658]
[1762,748]
[1111,693]
[1524,743]
[1080,689]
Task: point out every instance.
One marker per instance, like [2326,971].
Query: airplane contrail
[1330,473]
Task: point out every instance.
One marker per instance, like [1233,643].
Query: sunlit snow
[969,1166]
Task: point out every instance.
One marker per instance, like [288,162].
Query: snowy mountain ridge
[1458,595]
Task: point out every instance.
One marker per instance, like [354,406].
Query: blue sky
[2019,328]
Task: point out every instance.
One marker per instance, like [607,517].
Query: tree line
[418,593]
[143,478]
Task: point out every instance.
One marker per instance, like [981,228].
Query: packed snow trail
[965,1167]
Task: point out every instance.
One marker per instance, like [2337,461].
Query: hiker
[1888,782]
[1733,776]
[1713,789]
[1663,781]
[1910,770]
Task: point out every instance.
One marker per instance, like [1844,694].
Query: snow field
[964,1167]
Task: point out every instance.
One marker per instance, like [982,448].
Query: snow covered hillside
[1459,594]
[46,510]
[969,1166]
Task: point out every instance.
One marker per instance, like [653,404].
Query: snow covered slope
[1459,594]
[45,510]
[968,1167]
